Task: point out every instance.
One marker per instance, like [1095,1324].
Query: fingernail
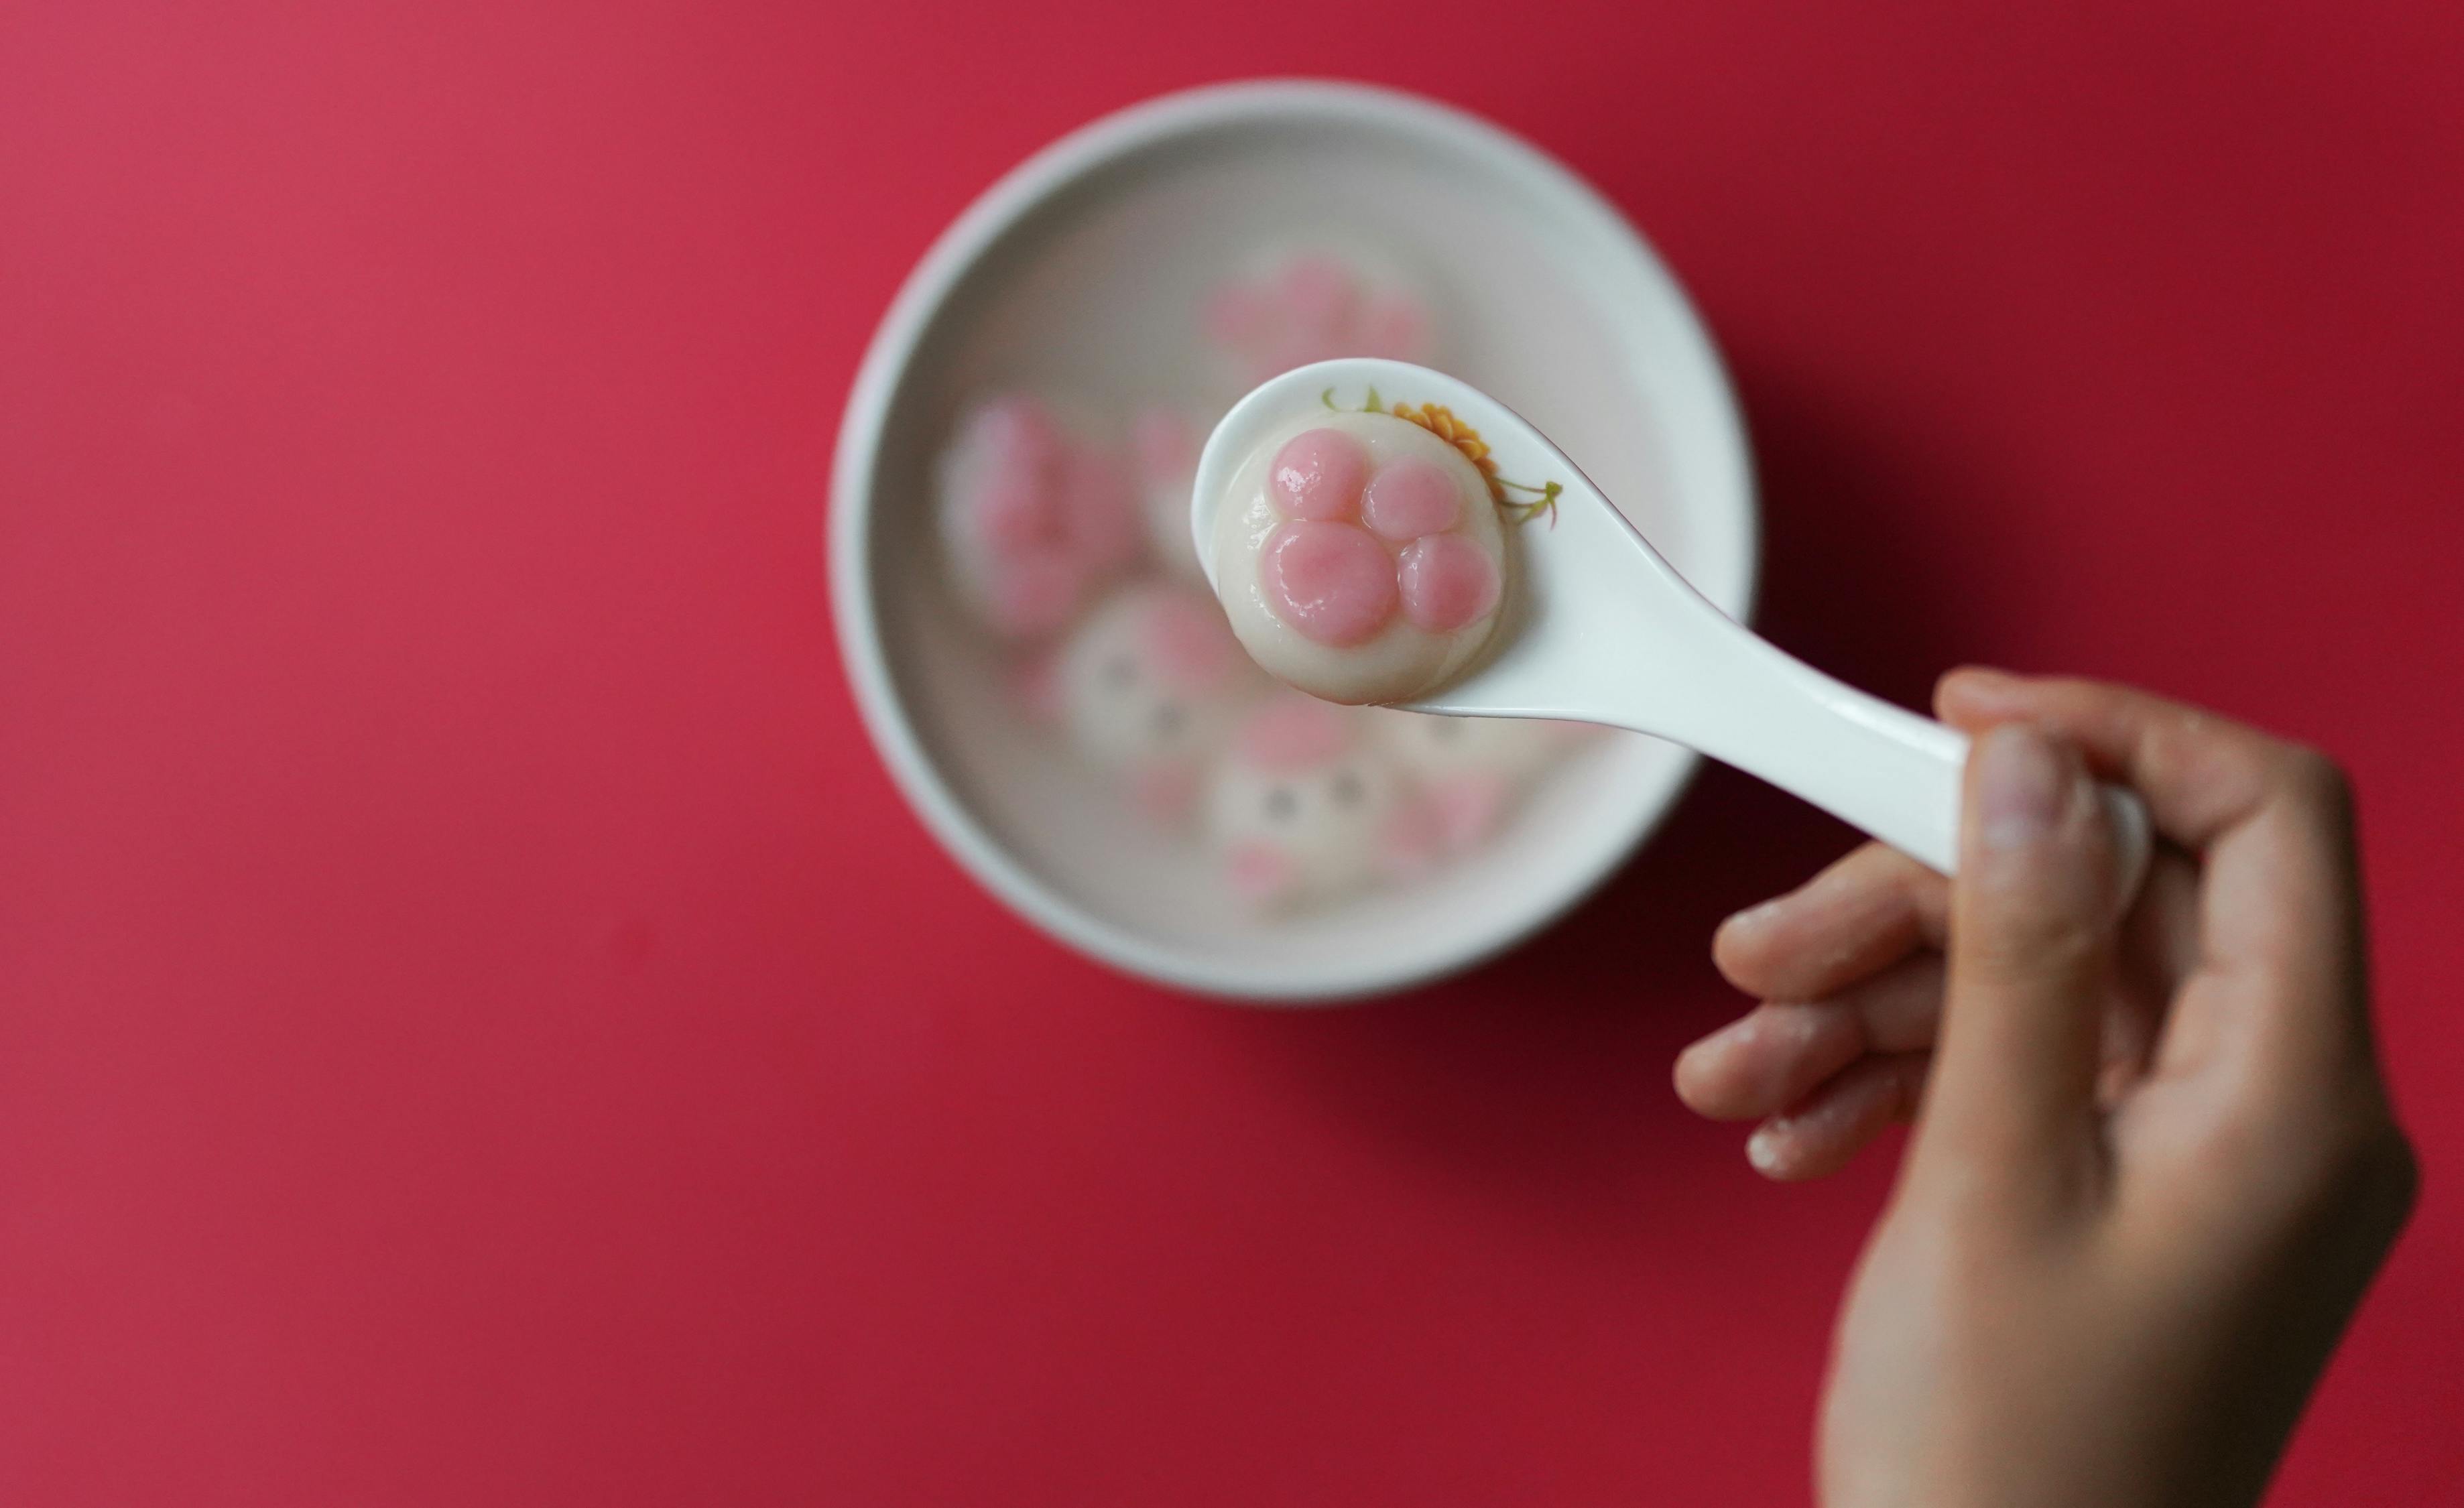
[1750,919]
[1975,695]
[1744,1029]
[1762,1148]
[1703,1049]
[2020,786]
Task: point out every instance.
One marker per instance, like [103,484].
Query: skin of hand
[2154,1166]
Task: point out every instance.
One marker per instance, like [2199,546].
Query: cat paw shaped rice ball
[1313,304]
[1360,557]
[1149,687]
[1035,518]
[1467,772]
[1301,810]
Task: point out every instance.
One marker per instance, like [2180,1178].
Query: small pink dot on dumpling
[1318,475]
[1014,513]
[1103,526]
[1396,328]
[1259,871]
[1236,311]
[1036,594]
[1411,498]
[1294,734]
[1319,289]
[1190,645]
[1019,429]
[1331,582]
[1447,583]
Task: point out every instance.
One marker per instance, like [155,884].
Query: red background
[477,1027]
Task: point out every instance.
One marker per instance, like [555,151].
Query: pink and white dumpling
[1149,687]
[1360,557]
[1035,516]
[1301,810]
[1467,772]
[1292,306]
[1165,443]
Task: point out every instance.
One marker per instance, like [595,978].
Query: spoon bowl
[1598,627]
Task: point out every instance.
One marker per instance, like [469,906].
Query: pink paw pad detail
[1355,548]
[1314,305]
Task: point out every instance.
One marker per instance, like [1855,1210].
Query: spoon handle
[1877,766]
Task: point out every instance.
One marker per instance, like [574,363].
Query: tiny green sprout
[1544,500]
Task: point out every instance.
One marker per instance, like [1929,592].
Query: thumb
[2032,938]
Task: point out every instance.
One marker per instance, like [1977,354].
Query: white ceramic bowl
[1080,271]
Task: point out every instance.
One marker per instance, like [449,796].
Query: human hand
[2155,1167]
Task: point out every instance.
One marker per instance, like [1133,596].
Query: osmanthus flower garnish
[1441,420]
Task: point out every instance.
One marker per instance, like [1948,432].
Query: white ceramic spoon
[1599,628]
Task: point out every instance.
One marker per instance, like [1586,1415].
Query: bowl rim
[848,534]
